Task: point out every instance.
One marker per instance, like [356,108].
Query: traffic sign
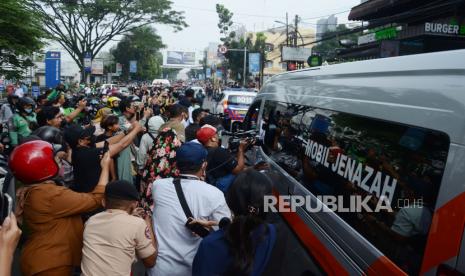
[222,49]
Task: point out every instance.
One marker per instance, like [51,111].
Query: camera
[236,137]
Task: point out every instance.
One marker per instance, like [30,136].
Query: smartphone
[197,228]
[6,207]
[106,146]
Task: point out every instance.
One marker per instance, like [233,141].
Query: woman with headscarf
[146,142]
[101,114]
[161,163]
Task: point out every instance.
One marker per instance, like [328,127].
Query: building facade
[404,27]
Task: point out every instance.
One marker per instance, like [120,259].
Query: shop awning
[374,9]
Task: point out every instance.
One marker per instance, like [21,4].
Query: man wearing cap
[222,165]
[113,238]
[86,153]
[177,245]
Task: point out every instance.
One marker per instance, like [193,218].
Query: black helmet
[50,134]
[23,102]
[26,101]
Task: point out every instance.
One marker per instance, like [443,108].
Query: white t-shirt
[412,220]
[177,246]
[19,92]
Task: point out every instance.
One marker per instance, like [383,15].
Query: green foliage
[225,22]
[235,59]
[82,26]
[328,48]
[21,35]
[141,44]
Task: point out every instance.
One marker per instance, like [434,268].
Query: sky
[255,15]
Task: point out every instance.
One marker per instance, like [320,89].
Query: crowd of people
[109,183]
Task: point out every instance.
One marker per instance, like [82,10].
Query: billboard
[180,58]
[295,54]
[254,63]
[97,67]
[87,62]
[119,69]
[52,69]
[133,66]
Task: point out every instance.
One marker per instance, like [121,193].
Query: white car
[161,82]
[234,105]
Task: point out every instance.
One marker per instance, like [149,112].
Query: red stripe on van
[316,248]
[445,234]
[384,266]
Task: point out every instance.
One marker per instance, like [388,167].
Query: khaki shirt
[177,126]
[112,239]
[53,215]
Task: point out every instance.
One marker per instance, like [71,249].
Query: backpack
[162,164]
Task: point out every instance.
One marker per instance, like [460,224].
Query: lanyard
[188,177]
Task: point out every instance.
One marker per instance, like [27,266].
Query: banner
[180,58]
[209,73]
[97,67]
[52,69]
[254,63]
[219,74]
[295,54]
[133,66]
[87,62]
[35,91]
[119,69]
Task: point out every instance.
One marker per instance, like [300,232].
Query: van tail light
[444,270]
[225,104]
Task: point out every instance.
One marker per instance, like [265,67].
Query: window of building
[338,154]
[269,64]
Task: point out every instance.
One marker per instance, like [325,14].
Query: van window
[338,154]
[250,120]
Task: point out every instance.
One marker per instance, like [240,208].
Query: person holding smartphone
[9,238]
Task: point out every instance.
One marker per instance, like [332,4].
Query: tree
[142,44]
[21,35]
[235,59]
[83,26]
[327,49]
[225,22]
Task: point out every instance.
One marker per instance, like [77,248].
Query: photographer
[222,166]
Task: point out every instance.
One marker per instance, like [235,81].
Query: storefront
[414,31]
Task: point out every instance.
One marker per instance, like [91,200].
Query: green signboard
[314,61]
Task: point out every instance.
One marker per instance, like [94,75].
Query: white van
[161,82]
[390,129]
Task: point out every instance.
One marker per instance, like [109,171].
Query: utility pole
[245,65]
[287,30]
[296,22]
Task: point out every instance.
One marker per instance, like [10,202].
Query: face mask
[28,110]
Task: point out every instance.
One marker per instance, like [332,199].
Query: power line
[318,17]
[256,15]
[234,13]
